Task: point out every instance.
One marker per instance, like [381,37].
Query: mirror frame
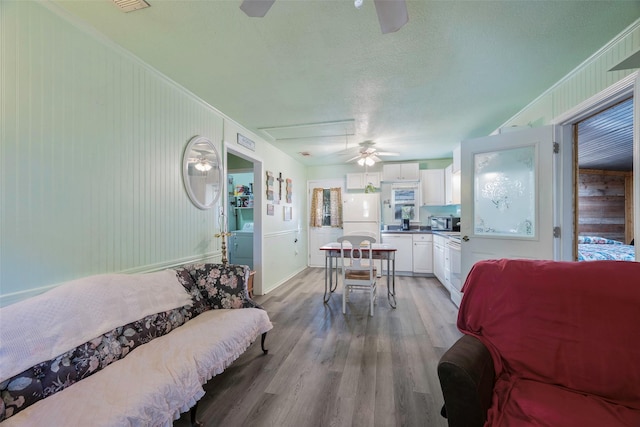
[217,168]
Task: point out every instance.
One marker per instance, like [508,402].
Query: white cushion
[42,327]
[156,381]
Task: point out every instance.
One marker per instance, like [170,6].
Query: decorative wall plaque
[246,142]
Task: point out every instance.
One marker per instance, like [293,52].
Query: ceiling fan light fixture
[203,166]
[361,161]
[369,161]
[358,3]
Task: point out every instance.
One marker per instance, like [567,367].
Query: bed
[592,248]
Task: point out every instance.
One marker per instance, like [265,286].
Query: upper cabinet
[432,185]
[451,186]
[359,181]
[455,167]
[401,172]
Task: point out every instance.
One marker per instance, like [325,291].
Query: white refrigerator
[361,214]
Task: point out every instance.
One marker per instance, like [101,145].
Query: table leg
[391,287]
[333,288]
[327,274]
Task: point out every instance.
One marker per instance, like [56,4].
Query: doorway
[240,206]
[625,90]
[243,202]
[604,202]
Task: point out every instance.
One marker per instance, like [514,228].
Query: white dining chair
[358,270]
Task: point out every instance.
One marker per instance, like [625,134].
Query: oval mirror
[202,172]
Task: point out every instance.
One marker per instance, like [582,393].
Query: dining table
[381,251]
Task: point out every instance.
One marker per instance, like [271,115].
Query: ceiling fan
[368,154]
[392,14]
[202,162]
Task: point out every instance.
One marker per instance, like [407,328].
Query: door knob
[465,238]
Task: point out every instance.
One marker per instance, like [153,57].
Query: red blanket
[564,332]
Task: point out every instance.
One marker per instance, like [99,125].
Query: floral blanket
[596,248]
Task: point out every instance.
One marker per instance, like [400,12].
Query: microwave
[445,223]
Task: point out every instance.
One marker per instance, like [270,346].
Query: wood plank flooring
[329,369]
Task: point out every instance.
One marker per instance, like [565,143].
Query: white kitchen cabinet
[451,186]
[395,172]
[439,243]
[447,268]
[455,167]
[422,253]
[372,178]
[359,181]
[432,186]
[404,254]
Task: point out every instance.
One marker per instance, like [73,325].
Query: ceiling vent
[131,5]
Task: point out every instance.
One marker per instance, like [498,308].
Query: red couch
[546,344]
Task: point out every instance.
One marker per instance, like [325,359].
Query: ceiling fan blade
[392,14]
[353,158]
[256,8]
[375,158]
[387,153]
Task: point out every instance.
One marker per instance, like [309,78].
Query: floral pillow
[222,285]
[597,240]
[200,303]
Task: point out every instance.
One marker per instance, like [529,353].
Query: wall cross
[280,180]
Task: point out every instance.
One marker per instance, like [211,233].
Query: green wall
[588,79]
[90,158]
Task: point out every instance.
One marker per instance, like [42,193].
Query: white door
[319,236]
[507,197]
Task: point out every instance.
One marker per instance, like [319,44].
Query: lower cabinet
[439,243]
[423,253]
[404,254]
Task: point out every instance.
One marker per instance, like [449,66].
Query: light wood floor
[329,369]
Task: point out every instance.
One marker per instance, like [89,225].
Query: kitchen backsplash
[425,213]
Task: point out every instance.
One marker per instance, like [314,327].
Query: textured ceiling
[605,141]
[457,70]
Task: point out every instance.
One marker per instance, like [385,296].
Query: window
[326,207]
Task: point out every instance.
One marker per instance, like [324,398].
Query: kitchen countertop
[448,233]
[399,230]
[421,230]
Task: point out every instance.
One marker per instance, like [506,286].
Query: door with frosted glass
[507,197]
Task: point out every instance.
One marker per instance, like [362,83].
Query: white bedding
[46,325]
[155,382]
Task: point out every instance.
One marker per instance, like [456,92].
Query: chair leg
[344,299]
[371,303]
[372,295]
[375,295]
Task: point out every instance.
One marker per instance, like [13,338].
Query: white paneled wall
[288,254]
[589,79]
[91,148]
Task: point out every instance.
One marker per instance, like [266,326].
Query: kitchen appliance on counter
[406,224]
[445,223]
